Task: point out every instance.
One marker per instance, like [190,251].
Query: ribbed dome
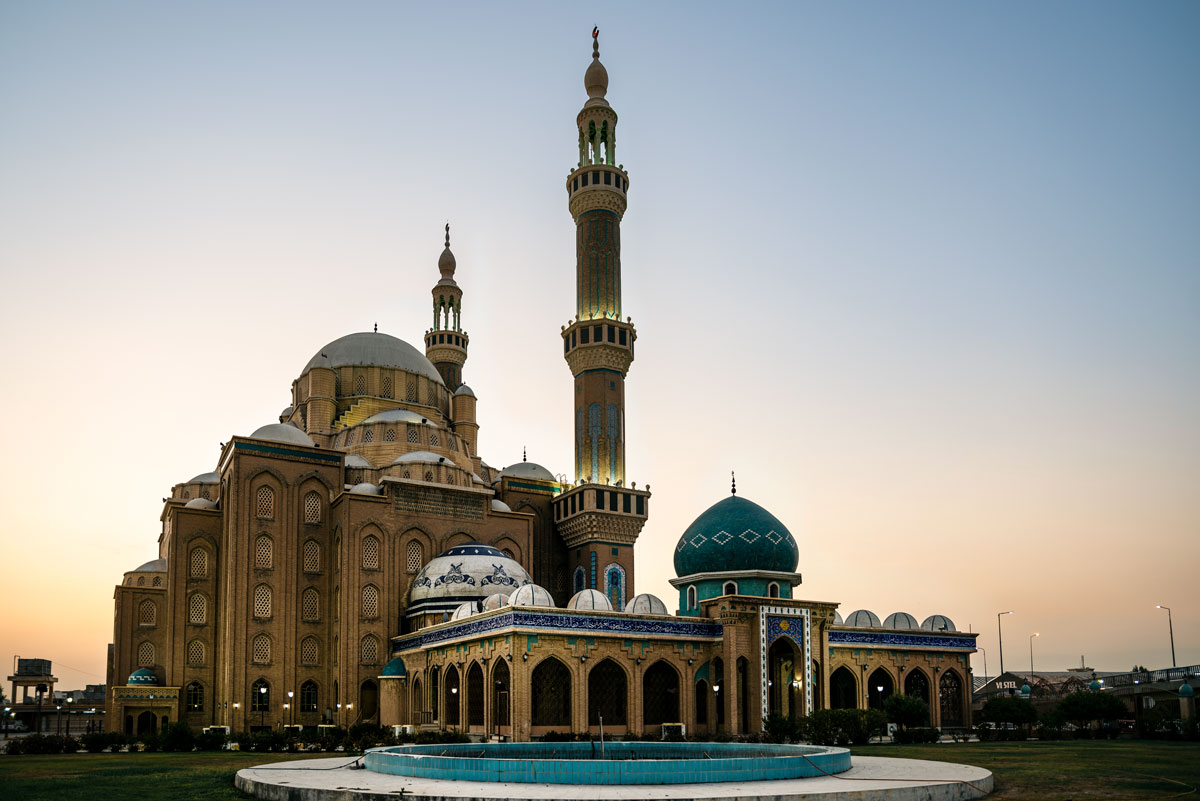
[1186,691]
[646,604]
[495,601]
[500,506]
[863,618]
[532,595]
[465,609]
[590,600]
[283,432]
[900,620]
[735,534]
[463,389]
[373,349]
[423,457]
[938,623]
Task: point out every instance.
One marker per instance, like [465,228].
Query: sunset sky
[925,275]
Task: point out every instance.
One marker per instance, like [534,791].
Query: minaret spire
[446,342]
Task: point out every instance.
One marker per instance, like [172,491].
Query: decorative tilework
[774,622]
[722,537]
[960,642]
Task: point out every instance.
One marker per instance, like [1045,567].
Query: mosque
[358,561]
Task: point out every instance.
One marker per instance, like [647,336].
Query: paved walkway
[869,779]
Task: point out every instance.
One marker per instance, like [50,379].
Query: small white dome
[365,488]
[495,601]
[837,618]
[499,505]
[938,623]
[206,478]
[463,389]
[420,456]
[863,618]
[286,413]
[200,503]
[592,600]
[358,462]
[646,604]
[532,595]
[900,620]
[398,416]
[528,470]
[283,432]
[465,609]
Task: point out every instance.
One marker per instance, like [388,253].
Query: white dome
[367,348]
[421,456]
[283,432]
[646,604]
[495,601]
[286,413]
[399,416]
[365,488]
[200,503]
[528,470]
[463,389]
[499,505]
[837,618]
[465,609]
[469,572]
[532,595]
[862,618]
[938,623]
[900,620]
[206,478]
[593,600]
[358,462]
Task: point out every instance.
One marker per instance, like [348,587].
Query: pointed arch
[608,694]
[475,695]
[660,694]
[917,684]
[502,693]
[950,699]
[452,691]
[880,685]
[843,689]
[550,693]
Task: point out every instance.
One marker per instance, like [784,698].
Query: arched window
[433,439]
[370,602]
[730,588]
[198,563]
[369,435]
[337,603]
[614,586]
[702,702]
[310,651]
[879,687]
[950,699]
[413,558]
[608,694]
[262,601]
[389,435]
[418,699]
[691,597]
[433,691]
[387,386]
[660,694]
[141,581]
[501,694]
[370,552]
[260,696]
[337,554]
[360,385]
[194,697]
[147,613]
[336,643]
[350,437]
[369,650]
[311,556]
[429,476]
[264,553]
[579,579]
[843,689]
[773,590]
[312,507]
[411,436]
[145,654]
[195,652]
[264,503]
[310,606]
[157,582]
[550,688]
[475,699]
[916,684]
[452,707]
[197,609]
[411,392]
[308,696]
[260,651]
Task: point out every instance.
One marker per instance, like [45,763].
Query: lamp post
[984,651]
[288,705]
[1000,632]
[1171,629]
[262,707]
[70,701]
[1031,677]
[6,721]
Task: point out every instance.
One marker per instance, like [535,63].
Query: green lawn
[206,776]
[1051,771]
[1071,770]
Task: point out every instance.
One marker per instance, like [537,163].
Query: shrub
[906,710]
[843,726]
[95,742]
[211,740]
[918,734]
[782,729]
[43,744]
[177,737]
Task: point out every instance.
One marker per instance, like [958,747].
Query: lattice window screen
[312,557]
[263,553]
[312,508]
[389,435]
[264,503]
[310,605]
[195,652]
[261,650]
[262,601]
[198,563]
[412,557]
[145,654]
[434,440]
[412,434]
[197,609]
[370,601]
[309,651]
[387,386]
[370,553]
[157,582]
[369,435]
[370,649]
[147,613]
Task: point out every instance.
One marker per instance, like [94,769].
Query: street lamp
[984,650]
[70,700]
[288,705]
[262,707]
[1000,632]
[1031,677]
[1171,629]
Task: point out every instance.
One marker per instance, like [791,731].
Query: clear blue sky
[927,275]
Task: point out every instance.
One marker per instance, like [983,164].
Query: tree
[1085,706]
[906,710]
[1003,709]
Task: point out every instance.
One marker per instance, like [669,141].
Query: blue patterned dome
[735,534]
[143,676]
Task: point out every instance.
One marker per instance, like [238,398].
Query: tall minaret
[600,517]
[446,343]
[597,344]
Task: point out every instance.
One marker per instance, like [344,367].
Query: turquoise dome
[144,676]
[1186,691]
[1095,685]
[395,668]
[735,534]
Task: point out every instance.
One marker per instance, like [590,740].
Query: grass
[1033,771]
[1071,770]
[202,776]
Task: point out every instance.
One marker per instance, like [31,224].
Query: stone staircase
[362,409]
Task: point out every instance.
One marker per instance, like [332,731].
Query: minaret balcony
[601,342]
[597,186]
[597,511]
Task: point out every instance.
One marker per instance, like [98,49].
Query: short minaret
[446,342]
[600,517]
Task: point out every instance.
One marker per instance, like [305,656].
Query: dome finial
[733,480]
[447,233]
[524,454]
[376,328]
[595,78]
[446,263]
[596,42]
